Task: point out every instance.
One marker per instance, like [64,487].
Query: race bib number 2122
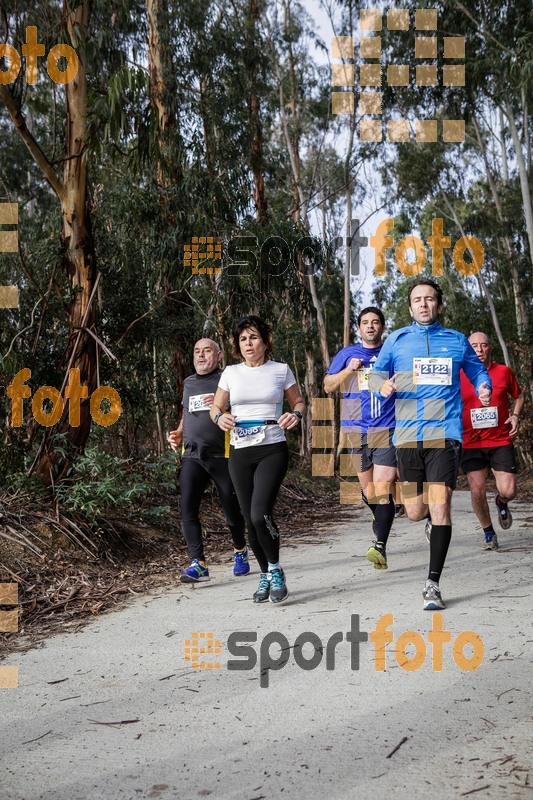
[432,371]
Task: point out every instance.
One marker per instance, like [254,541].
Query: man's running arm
[475,371]
[333,382]
[175,438]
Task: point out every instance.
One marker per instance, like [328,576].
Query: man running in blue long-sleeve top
[422,364]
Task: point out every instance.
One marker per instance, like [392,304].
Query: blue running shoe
[263,590]
[241,565]
[278,587]
[195,573]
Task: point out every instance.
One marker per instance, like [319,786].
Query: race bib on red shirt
[484,417]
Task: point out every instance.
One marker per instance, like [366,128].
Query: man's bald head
[206,356]
[205,342]
[481,344]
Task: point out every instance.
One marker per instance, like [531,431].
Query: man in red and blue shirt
[487,439]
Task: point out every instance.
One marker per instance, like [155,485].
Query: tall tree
[71,190]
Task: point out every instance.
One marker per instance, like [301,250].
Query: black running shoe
[263,590]
[278,587]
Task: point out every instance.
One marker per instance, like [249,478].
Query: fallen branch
[403,741]
[37,738]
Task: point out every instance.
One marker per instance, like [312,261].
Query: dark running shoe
[505,518]
[278,587]
[263,590]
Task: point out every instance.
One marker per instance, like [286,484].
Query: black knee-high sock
[438,547]
[384,518]
[372,506]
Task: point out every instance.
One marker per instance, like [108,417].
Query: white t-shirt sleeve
[290,380]
[224,382]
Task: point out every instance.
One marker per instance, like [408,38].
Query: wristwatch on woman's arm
[297,414]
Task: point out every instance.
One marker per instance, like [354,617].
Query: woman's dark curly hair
[263,328]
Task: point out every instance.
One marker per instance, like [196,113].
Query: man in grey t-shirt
[204,458]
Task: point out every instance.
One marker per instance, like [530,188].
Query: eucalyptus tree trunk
[484,289]
[77,238]
[160,65]
[523,174]
[300,215]
[169,165]
[348,194]
[521,313]
[254,112]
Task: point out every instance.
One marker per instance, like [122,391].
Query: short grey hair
[481,333]
[207,339]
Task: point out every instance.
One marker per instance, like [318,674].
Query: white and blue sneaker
[491,541]
[432,597]
[241,565]
[427,529]
[278,587]
[195,573]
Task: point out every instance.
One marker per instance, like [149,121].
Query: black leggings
[194,478]
[257,473]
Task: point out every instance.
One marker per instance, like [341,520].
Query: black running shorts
[370,456]
[500,459]
[430,464]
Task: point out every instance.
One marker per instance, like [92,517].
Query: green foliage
[99,483]
[31,485]
[152,190]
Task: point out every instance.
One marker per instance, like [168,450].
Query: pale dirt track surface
[189,733]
